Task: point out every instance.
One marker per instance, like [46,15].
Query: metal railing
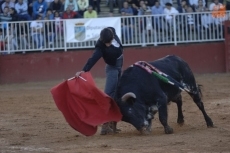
[136,31]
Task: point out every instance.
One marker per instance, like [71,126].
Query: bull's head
[137,113]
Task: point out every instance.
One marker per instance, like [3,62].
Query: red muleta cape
[83,105]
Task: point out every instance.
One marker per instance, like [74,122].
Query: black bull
[140,95]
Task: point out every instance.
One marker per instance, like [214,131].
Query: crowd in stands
[36,10]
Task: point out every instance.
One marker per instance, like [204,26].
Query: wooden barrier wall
[32,67]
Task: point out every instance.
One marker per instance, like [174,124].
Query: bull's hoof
[168,130]
[210,123]
[146,131]
[180,121]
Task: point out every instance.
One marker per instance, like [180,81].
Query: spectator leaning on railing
[127,23]
[39,8]
[22,32]
[22,10]
[36,32]
[157,9]
[207,24]
[49,29]
[90,13]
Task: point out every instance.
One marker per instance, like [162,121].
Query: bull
[141,95]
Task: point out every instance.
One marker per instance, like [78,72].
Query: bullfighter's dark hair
[106,35]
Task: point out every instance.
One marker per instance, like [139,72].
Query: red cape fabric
[83,105]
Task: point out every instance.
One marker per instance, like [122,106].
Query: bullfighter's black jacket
[109,54]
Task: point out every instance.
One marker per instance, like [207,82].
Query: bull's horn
[128,95]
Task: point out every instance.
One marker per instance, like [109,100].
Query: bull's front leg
[163,115]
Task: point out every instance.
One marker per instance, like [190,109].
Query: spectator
[194,4]
[170,11]
[133,6]
[72,4]
[56,6]
[22,10]
[13,14]
[142,10]
[30,7]
[83,5]
[163,2]
[58,23]
[95,4]
[150,3]
[69,14]
[39,8]
[190,20]
[48,2]
[146,26]
[36,32]
[207,24]
[49,14]
[5,17]
[11,40]
[49,29]
[126,10]
[22,32]
[8,3]
[127,23]
[215,6]
[2,40]
[157,9]
[200,7]
[179,3]
[90,13]
[182,8]
[218,12]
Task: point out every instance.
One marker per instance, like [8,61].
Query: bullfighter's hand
[79,73]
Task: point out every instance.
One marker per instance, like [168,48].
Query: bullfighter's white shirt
[115,43]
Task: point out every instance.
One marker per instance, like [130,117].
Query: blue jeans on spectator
[38,39]
[50,37]
[127,32]
[24,17]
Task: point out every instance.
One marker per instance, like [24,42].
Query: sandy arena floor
[31,122]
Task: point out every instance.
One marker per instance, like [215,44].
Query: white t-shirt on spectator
[170,12]
[206,20]
[36,25]
[190,19]
[212,5]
